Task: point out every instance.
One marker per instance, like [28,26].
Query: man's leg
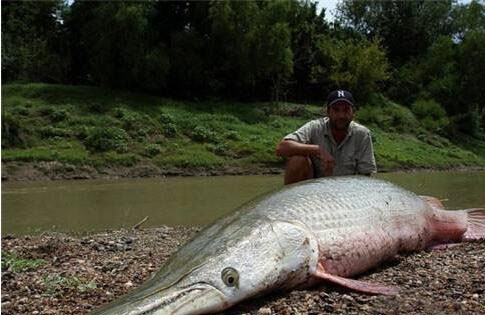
[298,168]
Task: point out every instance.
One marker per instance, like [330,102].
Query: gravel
[79,273]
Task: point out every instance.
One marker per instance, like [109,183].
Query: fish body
[319,230]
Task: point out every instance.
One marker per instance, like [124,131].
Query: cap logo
[340,94]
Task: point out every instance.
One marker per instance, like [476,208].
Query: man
[329,146]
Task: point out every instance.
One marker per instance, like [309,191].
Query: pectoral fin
[361,286]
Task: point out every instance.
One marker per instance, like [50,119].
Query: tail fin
[476,225]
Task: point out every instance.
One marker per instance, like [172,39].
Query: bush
[219,149]
[170,130]
[203,134]
[468,123]
[20,110]
[98,108]
[13,132]
[55,114]
[482,118]
[369,115]
[233,135]
[152,149]
[82,132]
[428,108]
[104,139]
[119,112]
[166,119]
[51,132]
[432,115]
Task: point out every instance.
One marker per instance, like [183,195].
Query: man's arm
[366,163]
[289,148]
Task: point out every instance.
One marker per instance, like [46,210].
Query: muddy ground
[75,274]
[27,171]
[54,170]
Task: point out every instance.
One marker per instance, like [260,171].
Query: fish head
[225,271]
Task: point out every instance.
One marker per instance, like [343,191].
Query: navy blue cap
[340,95]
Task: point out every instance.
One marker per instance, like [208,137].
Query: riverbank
[54,132]
[54,170]
[68,274]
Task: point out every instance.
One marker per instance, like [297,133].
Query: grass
[82,125]
[18,264]
[58,283]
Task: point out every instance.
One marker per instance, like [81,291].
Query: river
[96,205]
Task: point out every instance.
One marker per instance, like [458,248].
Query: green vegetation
[59,123]
[18,264]
[58,283]
[428,56]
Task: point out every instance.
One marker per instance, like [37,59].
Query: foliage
[51,132]
[209,134]
[15,263]
[14,133]
[203,134]
[418,24]
[170,130]
[432,115]
[166,118]
[58,283]
[387,115]
[152,149]
[33,48]
[355,65]
[105,139]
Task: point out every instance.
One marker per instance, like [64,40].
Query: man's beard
[340,124]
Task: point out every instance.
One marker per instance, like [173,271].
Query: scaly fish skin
[328,229]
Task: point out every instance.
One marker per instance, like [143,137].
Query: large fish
[319,230]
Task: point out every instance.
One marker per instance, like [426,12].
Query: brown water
[94,205]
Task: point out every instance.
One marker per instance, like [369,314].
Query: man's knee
[298,168]
[298,162]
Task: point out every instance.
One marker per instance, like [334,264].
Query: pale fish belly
[358,221]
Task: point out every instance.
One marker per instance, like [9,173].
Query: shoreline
[54,170]
[80,273]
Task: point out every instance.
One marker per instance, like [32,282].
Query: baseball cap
[340,95]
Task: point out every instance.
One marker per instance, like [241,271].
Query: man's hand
[327,161]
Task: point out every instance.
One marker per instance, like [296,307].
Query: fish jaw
[199,298]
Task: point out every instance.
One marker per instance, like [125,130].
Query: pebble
[264,311]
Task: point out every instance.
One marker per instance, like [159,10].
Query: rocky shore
[56,273]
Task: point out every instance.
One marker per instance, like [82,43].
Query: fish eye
[230,277]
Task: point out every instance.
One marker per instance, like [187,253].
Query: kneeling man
[329,146]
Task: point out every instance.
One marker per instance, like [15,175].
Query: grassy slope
[49,122]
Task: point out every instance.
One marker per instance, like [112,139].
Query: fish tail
[476,224]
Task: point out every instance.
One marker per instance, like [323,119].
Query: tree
[356,65]
[118,46]
[32,41]
[307,27]
[407,28]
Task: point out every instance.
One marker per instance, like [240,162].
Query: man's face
[340,114]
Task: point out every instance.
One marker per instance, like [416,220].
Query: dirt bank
[41,171]
[74,274]
[23,171]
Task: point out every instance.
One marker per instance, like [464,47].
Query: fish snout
[198,298]
[195,299]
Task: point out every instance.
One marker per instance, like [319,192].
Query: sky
[329,6]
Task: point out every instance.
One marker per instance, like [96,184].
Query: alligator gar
[323,230]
